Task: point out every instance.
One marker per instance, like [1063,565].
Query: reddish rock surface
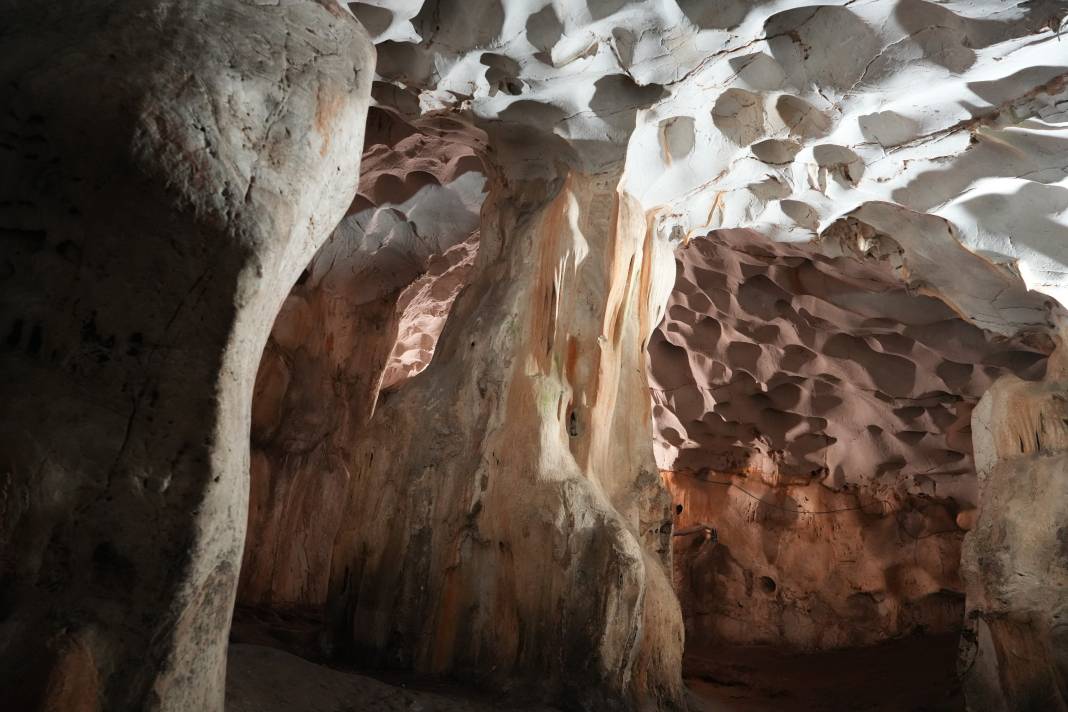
[454,462]
[365,314]
[814,423]
[804,568]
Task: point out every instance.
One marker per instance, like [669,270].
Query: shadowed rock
[185,168]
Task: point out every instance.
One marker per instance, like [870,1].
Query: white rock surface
[926,139]
[922,119]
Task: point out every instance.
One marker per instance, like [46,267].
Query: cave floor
[915,674]
[266,679]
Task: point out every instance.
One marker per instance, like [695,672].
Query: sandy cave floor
[263,679]
[910,675]
[915,674]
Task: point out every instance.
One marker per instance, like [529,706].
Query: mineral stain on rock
[519,355]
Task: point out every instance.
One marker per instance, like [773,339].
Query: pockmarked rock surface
[364,315]
[453,437]
[882,171]
[782,361]
[166,169]
[815,413]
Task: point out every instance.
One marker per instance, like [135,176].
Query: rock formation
[532,390]
[168,169]
[364,315]
[1015,645]
[816,413]
[820,233]
[836,375]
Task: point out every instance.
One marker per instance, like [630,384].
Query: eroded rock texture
[779,360]
[503,521]
[167,169]
[524,534]
[364,315]
[815,413]
[481,498]
[838,375]
[1014,652]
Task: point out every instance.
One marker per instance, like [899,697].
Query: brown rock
[1014,651]
[365,314]
[515,509]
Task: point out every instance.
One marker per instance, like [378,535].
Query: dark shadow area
[914,674]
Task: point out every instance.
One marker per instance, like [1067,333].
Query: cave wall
[364,315]
[1014,651]
[804,568]
[536,388]
[166,172]
[171,168]
[816,414]
[538,377]
[900,154]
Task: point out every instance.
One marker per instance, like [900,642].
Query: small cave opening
[814,411]
[767,584]
[362,320]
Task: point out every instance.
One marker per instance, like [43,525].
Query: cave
[814,421]
[545,356]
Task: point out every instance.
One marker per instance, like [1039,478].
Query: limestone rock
[364,315]
[511,502]
[1014,652]
[907,290]
[454,452]
[782,363]
[167,169]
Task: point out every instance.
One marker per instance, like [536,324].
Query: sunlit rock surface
[867,204]
[364,315]
[455,450]
[931,119]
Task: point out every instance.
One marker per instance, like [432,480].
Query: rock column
[1014,650]
[166,171]
[506,520]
